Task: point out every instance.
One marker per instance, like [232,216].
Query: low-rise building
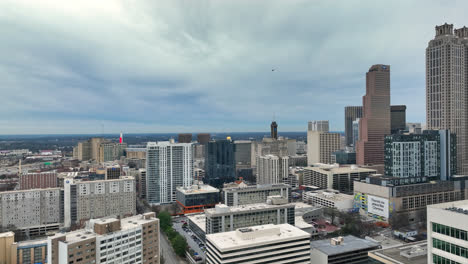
[335,177]
[242,194]
[197,197]
[447,232]
[108,240]
[341,250]
[40,180]
[84,200]
[405,203]
[223,218]
[413,253]
[329,199]
[266,243]
[113,172]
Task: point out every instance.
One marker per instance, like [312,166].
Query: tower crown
[462,32]
[445,29]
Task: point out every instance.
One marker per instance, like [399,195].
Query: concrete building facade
[108,240]
[168,166]
[272,169]
[447,232]
[447,86]
[321,146]
[266,243]
[220,164]
[320,126]
[243,195]
[95,199]
[39,180]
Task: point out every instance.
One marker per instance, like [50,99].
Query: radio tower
[121,138]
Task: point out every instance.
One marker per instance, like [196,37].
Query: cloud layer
[188,66]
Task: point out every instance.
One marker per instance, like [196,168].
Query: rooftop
[199,220]
[224,209]
[196,189]
[460,207]
[350,243]
[257,235]
[335,169]
[245,187]
[331,196]
[414,253]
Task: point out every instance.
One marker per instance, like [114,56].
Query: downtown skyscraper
[168,166]
[375,123]
[447,87]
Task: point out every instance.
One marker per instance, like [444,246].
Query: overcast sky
[194,66]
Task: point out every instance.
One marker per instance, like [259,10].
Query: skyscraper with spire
[447,87]
[274,130]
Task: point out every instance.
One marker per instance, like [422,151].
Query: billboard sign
[377,206]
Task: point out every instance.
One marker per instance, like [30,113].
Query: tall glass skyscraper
[220,165]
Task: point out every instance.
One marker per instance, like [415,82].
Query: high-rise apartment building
[243,154]
[110,151]
[168,166]
[421,157]
[321,126]
[185,138]
[447,233]
[447,87]
[108,240]
[272,169]
[288,244]
[34,212]
[220,165]
[321,146]
[84,200]
[375,123]
[352,113]
[38,180]
[397,118]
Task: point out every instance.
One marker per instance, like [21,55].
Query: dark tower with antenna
[274,130]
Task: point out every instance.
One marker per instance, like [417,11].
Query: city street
[177,224]
[168,253]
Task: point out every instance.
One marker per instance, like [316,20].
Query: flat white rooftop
[223,209]
[331,196]
[198,189]
[257,235]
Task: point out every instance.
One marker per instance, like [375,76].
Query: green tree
[165,220]
[179,244]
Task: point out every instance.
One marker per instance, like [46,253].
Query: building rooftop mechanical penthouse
[196,198]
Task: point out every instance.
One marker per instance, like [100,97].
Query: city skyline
[159,67]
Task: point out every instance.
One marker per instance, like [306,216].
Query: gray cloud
[169,66]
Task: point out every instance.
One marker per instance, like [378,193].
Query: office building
[84,200]
[329,199]
[352,113]
[321,145]
[447,85]
[334,177]
[203,138]
[421,157]
[344,157]
[341,250]
[412,253]
[355,133]
[243,154]
[184,138]
[375,123]
[197,197]
[447,232]
[274,130]
[414,128]
[199,174]
[320,126]
[7,248]
[141,183]
[40,180]
[111,151]
[31,251]
[34,212]
[220,165]
[168,166]
[384,199]
[136,152]
[113,172]
[266,243]
[272,169]
[397,118]
[223,218]
[243,194]
[108,240]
